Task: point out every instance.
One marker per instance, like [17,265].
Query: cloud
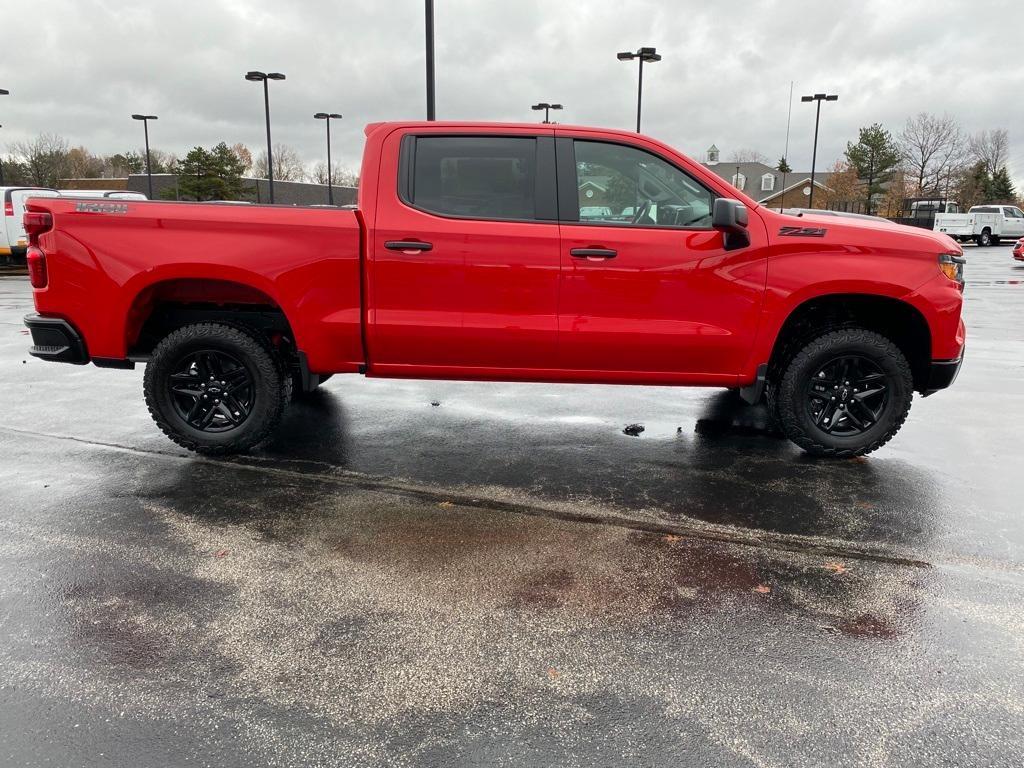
[81,67]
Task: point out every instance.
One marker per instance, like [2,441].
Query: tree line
[214,173]
[931,158]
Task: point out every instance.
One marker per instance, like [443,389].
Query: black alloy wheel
[211,390]
[216,388]
[846,393]
[848,396]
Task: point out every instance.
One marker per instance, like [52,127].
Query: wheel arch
[165,304]
[897,320]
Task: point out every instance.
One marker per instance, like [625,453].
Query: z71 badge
[802,232]
[101,207]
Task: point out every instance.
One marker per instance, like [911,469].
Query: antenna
[785,154]
[789,119]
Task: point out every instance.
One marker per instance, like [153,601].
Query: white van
[13,241]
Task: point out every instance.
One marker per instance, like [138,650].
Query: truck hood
[879,233]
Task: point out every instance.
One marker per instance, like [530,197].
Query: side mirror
[730,217]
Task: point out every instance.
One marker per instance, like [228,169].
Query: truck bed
[124,255]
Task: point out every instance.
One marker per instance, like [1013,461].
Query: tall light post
[328,116]
[643,54]
[265,77]
[818,97]
[3,92]
[547,108]
[429,28]
[149,167]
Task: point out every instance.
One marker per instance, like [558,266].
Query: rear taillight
[8,208]
[36,223]
[36,261]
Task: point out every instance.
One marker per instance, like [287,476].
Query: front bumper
[56,339]
[941,374]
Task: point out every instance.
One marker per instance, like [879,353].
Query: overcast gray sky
[79,68]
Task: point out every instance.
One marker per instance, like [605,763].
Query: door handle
[593,253]
[408,246]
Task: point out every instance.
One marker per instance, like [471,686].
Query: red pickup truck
[502,252]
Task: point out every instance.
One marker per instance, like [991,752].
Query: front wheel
[215,388]
[844,394]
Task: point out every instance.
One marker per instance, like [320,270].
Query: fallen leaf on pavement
[672,537]
[762,589]
[220,553]
[445,504]
[552,672]
[836,567]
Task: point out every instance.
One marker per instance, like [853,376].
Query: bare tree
[44,158]
[990,148]
[244,154]
[844,186]
[163,162]
[83,164]
[747,156]
[340,177]
[287,164]
[932,149]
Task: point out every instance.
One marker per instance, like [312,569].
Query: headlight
[952,266]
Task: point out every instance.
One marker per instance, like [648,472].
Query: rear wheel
[846,393]
[215,388]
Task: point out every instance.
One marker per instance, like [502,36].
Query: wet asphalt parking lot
[437,573]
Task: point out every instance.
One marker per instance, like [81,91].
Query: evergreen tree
[214,174]
[875,158]
[783,166]
[1001,187]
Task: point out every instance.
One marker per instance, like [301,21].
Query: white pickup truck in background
[982,224]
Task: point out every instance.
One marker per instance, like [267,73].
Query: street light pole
[547,108]
[643,54]
[149,167]
[328,116]
[3,92]
[818,97]
[430,58]
[265,77]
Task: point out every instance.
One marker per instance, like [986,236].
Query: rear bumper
[942,374]
[56,339]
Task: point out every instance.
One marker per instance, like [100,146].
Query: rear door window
[477,177]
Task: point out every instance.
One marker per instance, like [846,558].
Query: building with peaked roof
[766,184]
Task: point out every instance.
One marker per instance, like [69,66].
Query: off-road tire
[271,387]
[788,402]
